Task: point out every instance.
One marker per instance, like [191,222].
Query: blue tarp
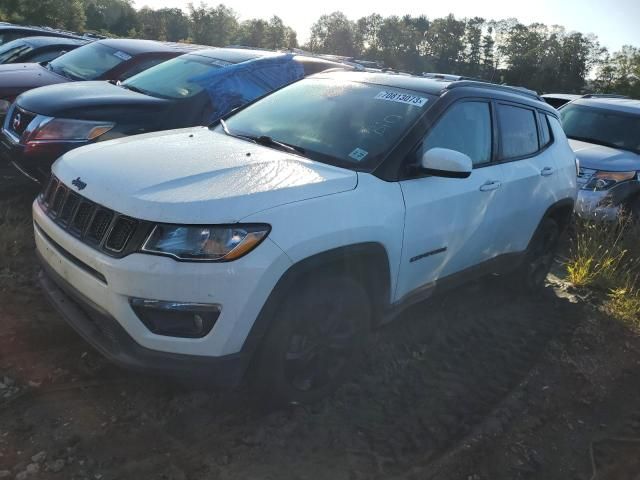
[235,85]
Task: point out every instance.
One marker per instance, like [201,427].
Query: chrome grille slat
[95,225]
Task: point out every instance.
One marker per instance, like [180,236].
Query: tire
[539,258]
[313,343]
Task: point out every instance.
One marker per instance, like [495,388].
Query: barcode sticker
[401,98]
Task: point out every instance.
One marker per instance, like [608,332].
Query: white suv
[272,242]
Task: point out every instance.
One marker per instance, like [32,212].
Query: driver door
[450,223]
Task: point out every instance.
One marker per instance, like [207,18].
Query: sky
[615,22]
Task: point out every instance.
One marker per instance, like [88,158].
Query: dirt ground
[475,385]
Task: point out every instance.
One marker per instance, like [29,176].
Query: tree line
[542,57]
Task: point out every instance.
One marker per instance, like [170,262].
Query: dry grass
[606,256]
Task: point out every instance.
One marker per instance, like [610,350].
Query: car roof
[562,96]
[409,82]
[134,46]
[234,55]
[436,86]
[53,41]
[626,105]
[42,30]
[238,55]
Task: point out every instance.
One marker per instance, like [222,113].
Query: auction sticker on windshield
[401,98]
[358,154]
[122,55]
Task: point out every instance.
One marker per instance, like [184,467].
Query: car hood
[96,100]
[18,77]
[599,157]
[196,176]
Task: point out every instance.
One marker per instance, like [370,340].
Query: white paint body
[198,176]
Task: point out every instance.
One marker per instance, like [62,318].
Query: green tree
[216,26]
[169,24]
[67,14]
[445,44]
[117,17]
[334,34]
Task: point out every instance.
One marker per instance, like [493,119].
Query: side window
[545,132]
[518,131]
[466,128]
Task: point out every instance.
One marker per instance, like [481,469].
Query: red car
[111,59]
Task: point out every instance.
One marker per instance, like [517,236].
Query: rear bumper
[106,335]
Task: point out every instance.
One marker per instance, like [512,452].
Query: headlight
[605,180]
[66,129]
[201,243]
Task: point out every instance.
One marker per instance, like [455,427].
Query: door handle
[490,185]
[546,171]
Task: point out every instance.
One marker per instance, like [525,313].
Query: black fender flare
[368,262]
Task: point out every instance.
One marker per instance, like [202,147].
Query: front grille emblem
[79,184]
[17,120]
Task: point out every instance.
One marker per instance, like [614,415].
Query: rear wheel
[315,339]
[539,258]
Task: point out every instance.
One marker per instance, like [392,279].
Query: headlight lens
[66,129]
[605,180]
[202,243]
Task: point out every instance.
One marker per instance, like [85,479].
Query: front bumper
[33,163]
[106,335]
[241,288]
[592,205]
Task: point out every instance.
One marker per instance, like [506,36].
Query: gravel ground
[475,385]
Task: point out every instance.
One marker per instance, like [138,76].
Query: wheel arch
[366,262]
[561,212]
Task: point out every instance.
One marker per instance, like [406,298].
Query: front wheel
[316,336]
[539,257]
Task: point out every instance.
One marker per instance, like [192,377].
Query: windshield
[9,52]
[604,127]
[174,78]
[350,124]
[88,62]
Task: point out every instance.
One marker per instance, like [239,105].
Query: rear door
[450,222]
[529,186]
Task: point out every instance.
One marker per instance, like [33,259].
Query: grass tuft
[606,256]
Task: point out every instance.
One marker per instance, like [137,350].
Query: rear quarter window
[545,131]
[518,131]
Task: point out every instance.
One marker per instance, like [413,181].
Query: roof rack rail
[247,47]
[604,95]
[494,86]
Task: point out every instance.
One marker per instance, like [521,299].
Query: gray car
[604,133]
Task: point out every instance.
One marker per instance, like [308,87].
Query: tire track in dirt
[424,383]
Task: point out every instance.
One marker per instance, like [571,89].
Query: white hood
[196,175]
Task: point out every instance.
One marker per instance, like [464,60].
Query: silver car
[604,133]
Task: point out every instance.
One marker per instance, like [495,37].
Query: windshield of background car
[88,62]
[601,126]
[174,78]
[346,123]
[12,50]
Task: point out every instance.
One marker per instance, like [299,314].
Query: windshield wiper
[264,140]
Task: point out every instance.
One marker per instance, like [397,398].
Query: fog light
[176,319]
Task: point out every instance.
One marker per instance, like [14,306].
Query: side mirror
[443,162]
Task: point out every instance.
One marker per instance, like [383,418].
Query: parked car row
[189,90]
[237,214]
